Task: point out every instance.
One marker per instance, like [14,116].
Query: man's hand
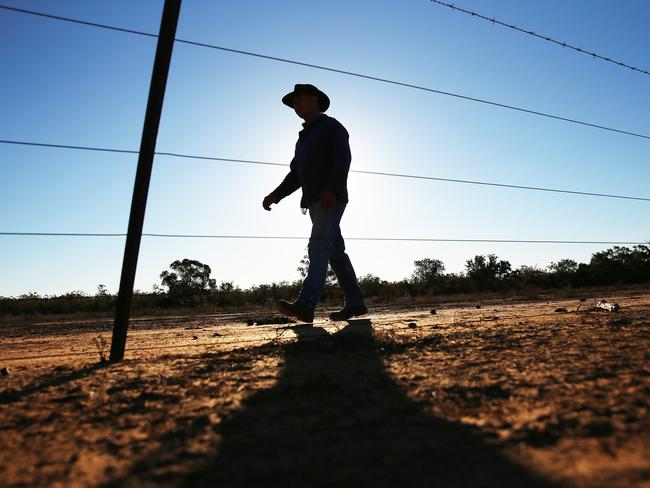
[268,200]
[328,199]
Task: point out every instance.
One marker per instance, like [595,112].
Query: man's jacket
[321,162]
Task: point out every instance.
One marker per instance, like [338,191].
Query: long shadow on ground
[337,418]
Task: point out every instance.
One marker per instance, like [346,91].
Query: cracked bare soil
[511,394]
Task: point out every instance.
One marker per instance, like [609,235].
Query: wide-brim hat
[323,100]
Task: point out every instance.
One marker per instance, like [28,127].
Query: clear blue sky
[70,84]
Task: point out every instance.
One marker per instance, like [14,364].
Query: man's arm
[289,184]
[341,158]
[284,189]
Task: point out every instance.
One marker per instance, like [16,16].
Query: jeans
[326,244]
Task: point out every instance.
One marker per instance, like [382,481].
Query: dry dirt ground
[511,394]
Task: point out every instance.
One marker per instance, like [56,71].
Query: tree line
[189,283]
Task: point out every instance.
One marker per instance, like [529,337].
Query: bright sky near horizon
[71,84]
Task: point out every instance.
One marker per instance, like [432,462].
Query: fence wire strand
[359,171]
[305,238]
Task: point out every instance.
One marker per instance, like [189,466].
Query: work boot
[348,312]
[297,309]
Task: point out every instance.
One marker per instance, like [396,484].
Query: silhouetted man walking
[320,167]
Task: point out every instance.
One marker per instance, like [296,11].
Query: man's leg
[325,222]
[342,267]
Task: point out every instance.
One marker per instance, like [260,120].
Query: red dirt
[511,394]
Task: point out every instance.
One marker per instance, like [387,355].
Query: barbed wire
[336,70]
[385,239]
[541,36]
[359,171]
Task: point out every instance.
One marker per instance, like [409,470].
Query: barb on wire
[493,20]
[359,171]
[340,71]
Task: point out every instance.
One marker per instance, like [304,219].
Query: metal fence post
[162,61]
